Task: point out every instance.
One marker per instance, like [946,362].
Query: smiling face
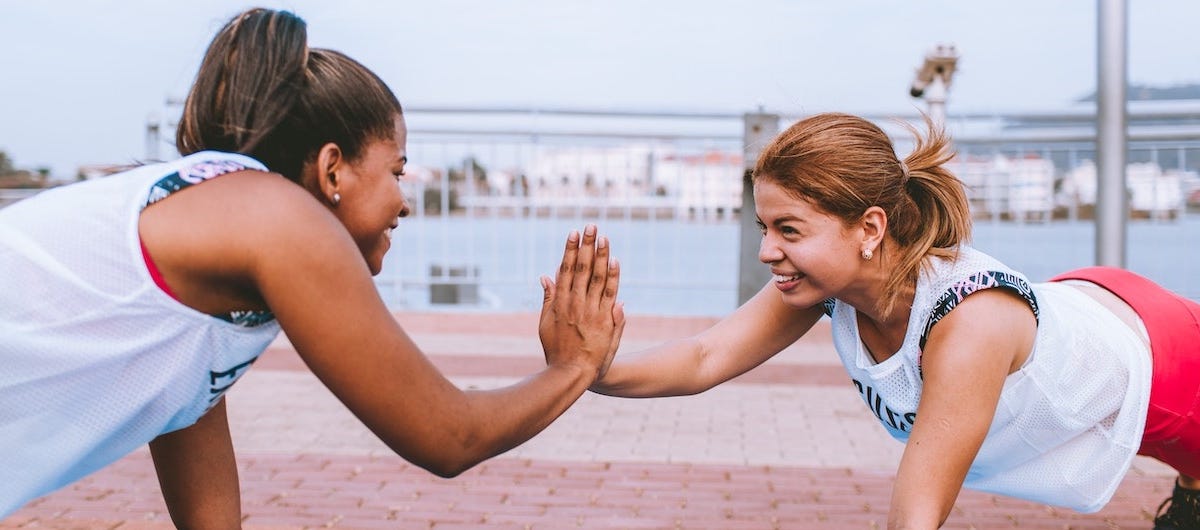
[812,255]
[371,199]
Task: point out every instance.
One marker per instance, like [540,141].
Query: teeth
[781,279]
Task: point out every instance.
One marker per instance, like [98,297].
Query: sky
[79,79]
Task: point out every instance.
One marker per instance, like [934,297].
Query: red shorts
[1173,323]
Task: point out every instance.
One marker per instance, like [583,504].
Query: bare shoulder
[267,198]
[277,221]
[250,204]
[228,225]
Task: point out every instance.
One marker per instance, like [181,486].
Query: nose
[404,210]
[768,251]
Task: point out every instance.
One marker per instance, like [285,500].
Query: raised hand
[581,321]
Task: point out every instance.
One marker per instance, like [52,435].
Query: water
[690,268]
[667,267]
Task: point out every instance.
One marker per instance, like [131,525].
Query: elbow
[446,465]
[447,458]
[447,469]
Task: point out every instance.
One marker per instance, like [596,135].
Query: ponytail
[263,93]
[251,76]
[936,218]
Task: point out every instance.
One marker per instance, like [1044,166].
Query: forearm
[521,411]
[920,503]
[935,463]
[198,474]
[675,368]
[486,423]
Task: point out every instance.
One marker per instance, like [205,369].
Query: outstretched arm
[964,365]
[759,329]
[222,247]
[329,307]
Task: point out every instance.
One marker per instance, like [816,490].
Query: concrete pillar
[759,129]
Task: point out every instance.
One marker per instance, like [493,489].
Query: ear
[330,160]
[874,226]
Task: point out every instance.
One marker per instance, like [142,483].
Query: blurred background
[530,118]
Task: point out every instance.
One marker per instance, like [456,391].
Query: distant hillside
[1150,93]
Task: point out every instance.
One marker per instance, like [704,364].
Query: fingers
[566,269]
[547,292]
[618,316]
[583,263]
[600,273]
[588,275]
[611,284]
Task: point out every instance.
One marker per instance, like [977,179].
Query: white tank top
[1068,422]
[95,359]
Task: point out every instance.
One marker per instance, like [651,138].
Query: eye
[398,174]
[787,230]
[762,228]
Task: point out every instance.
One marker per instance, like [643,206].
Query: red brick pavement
[332,490]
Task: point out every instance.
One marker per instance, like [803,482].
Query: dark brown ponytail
[251,75]
[262,92]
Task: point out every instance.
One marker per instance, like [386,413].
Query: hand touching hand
[581,322]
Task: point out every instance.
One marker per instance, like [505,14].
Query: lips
[786,282]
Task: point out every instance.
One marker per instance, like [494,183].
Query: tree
[6,165]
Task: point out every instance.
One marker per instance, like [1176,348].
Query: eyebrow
[404,160]
[784,219]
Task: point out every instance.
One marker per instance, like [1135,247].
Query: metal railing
[495,202]
[495,191]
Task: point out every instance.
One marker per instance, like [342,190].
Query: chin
[802,301]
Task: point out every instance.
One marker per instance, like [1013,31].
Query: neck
[870,306]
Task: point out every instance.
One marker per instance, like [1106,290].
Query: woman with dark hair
[1041,391]
[129,305]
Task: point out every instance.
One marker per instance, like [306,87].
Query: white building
[1017,188]
[1151,191]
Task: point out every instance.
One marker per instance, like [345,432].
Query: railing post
[153,137]
[759,129]
[1112,207]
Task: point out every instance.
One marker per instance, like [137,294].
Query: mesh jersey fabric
[1068,422]
[96,359]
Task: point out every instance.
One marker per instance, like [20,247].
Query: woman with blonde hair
[1042,391]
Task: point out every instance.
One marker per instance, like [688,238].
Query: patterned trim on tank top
[195,174]
[973,284]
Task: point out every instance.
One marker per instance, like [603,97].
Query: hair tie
[904,175]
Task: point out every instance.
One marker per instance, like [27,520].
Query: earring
[337,197]
[867,254]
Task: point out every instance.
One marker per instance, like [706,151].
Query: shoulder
[990,324]
[947,283]
[234,222]
[242,195]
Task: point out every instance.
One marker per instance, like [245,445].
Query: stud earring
[867,254]
[337,197]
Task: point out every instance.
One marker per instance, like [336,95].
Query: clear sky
[79,78]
